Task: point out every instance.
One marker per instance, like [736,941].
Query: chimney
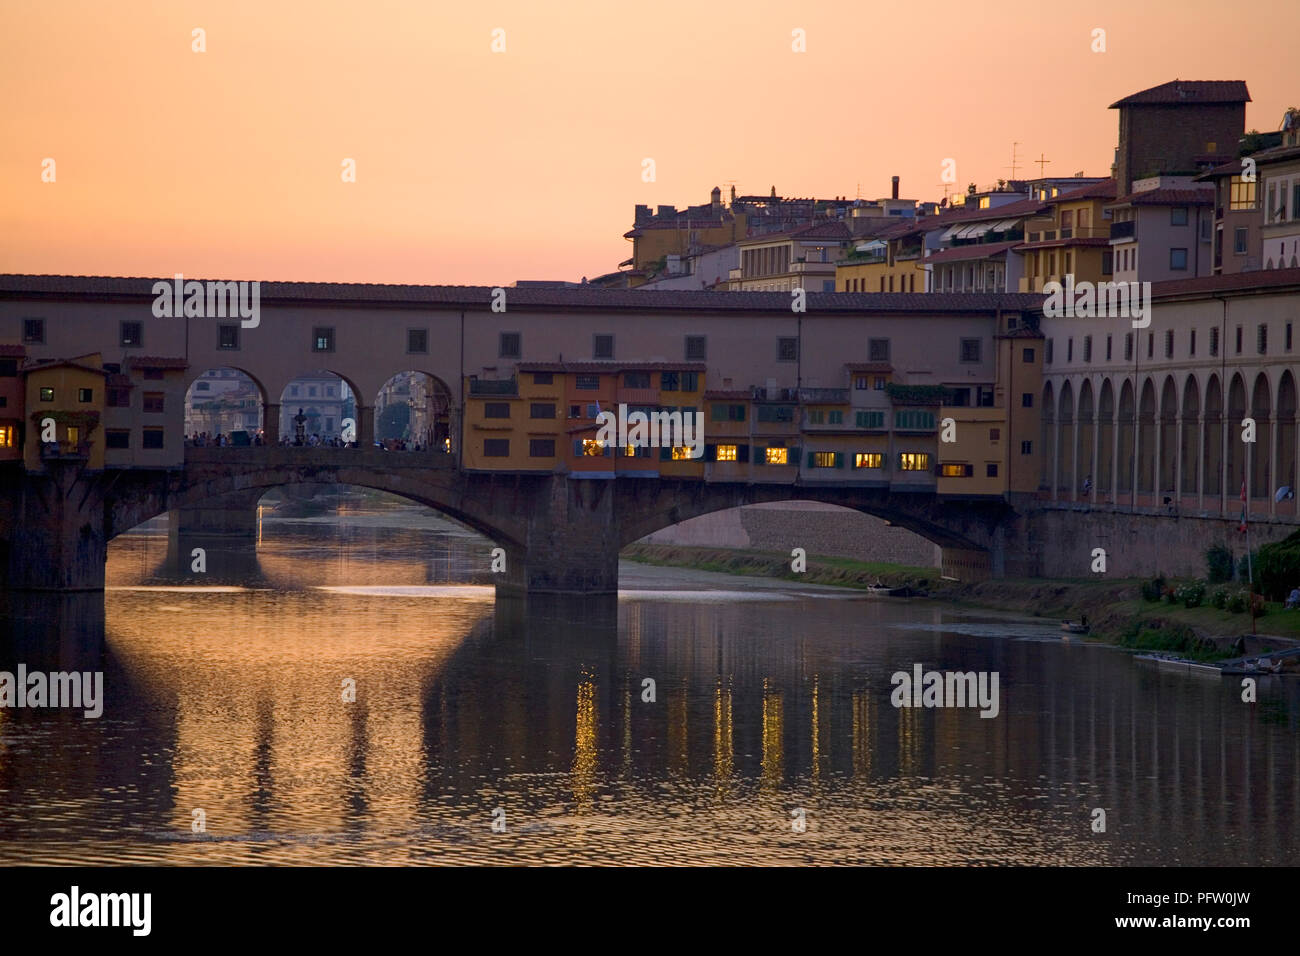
[893,193]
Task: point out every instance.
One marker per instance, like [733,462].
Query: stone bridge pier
[570,540]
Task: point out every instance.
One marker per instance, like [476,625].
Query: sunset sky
[474,167]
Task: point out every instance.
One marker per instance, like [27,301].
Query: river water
[771,708]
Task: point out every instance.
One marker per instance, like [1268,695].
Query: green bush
[1219,598]
[1153,590]
[1218,564]
[1190,595]
[1278,567]
[1237,602]
[1247,564]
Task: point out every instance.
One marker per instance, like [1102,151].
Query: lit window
[778,456]
[593,447]
[47,394]
[727,452]
[6,436]
[682,453]
[825,459]
[868,459]
[956,471]
[914,461]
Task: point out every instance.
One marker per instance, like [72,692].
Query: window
[509,345]
[1178,216]
[1191,343]
[682,453]
[787,349]
[130,334]
[868,459]
[1214,341]
[47,394]
[1048,357]
[870,419]
[8,368]
[835,417]
[914,461]
[591,448]
[1087,348]
[878,384]
[1169,343]
[1028,355]
[587,383]
[152,438]
[228,337]
[1261,339]
[1151,345]
[153,402]
[1107,263]
[777,456]
[417,341]
[1242,193]
[1026,448]
[322,339]
[957,470]
[697,348]
[816,416]
[995,434]
[543,378]
[117,438]
[970,350]
[1287,344]
[602,346]
[913,420]
[593,410]
[119,396]
[575,411]
[728,413]
[824,459]
[776,413]
[1109,343]
[1239,340]
[690,381]
[153,374]
[496,447]
[34,331]
[496,409]
[727,452]
[1178,259]
[1240,240]
[1069,350]
[541,448]
[861,382]
[668,382]
[541,410]
[85,395]
[986,396]
[878,350]
[636,379]
[991,470]
[1027,400]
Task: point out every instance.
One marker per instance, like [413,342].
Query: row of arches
[319,406]
[1171,440]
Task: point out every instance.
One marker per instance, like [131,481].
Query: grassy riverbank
[1114,608]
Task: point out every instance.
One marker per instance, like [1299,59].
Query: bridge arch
[1065,429]
[1189,438]
[1167,446]
[1236,457]
[418,407]
[1126,481]
[1214,436]
[1286,434]
[327,400]
[1261,457]
[217,401]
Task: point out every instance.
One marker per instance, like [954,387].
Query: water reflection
[231,699]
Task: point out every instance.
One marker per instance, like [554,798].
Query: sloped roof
[983,250]
[1261,280]
[1181,92]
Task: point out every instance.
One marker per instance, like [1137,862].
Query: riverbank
[1114,608]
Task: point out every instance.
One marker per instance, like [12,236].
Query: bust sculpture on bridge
[299,428]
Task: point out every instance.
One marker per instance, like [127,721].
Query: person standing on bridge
[299,428]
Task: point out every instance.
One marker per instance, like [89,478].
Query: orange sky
[475,167]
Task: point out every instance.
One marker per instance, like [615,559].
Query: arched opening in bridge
[1103,476]
[1261,452]
[1236,447]
[1286,440]
[1189,448]
[1085,475]
[1168,445]
[224,405]
[413,410]
[760,532]
[1065,454]
[318,408]
[1126,482]
[1214,436]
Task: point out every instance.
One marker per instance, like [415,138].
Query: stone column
[1200,463]
[1274,435]
[271,424]
[365,426]
[62,539]
[1056,448]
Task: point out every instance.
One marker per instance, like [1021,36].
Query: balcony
[1124,230]
[824,396]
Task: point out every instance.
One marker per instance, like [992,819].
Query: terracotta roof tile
[1168,196]
[612,368]
[1180,92]
[1260,280]
[571,300]
[983,250]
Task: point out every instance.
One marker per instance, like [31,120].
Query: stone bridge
[560,535]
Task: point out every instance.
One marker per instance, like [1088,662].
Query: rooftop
[1179,92]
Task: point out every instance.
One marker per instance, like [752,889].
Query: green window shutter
[665,453]
[760,455]
[839,459]
[810,459]
[742,453]
[711,452]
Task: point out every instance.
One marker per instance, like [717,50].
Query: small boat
[1074,627]
[883,591]
[1171,662]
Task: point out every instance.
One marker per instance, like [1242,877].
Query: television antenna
[1015,164]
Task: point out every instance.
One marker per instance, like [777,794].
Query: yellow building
[67,395]
[1070,237]
[888,262]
